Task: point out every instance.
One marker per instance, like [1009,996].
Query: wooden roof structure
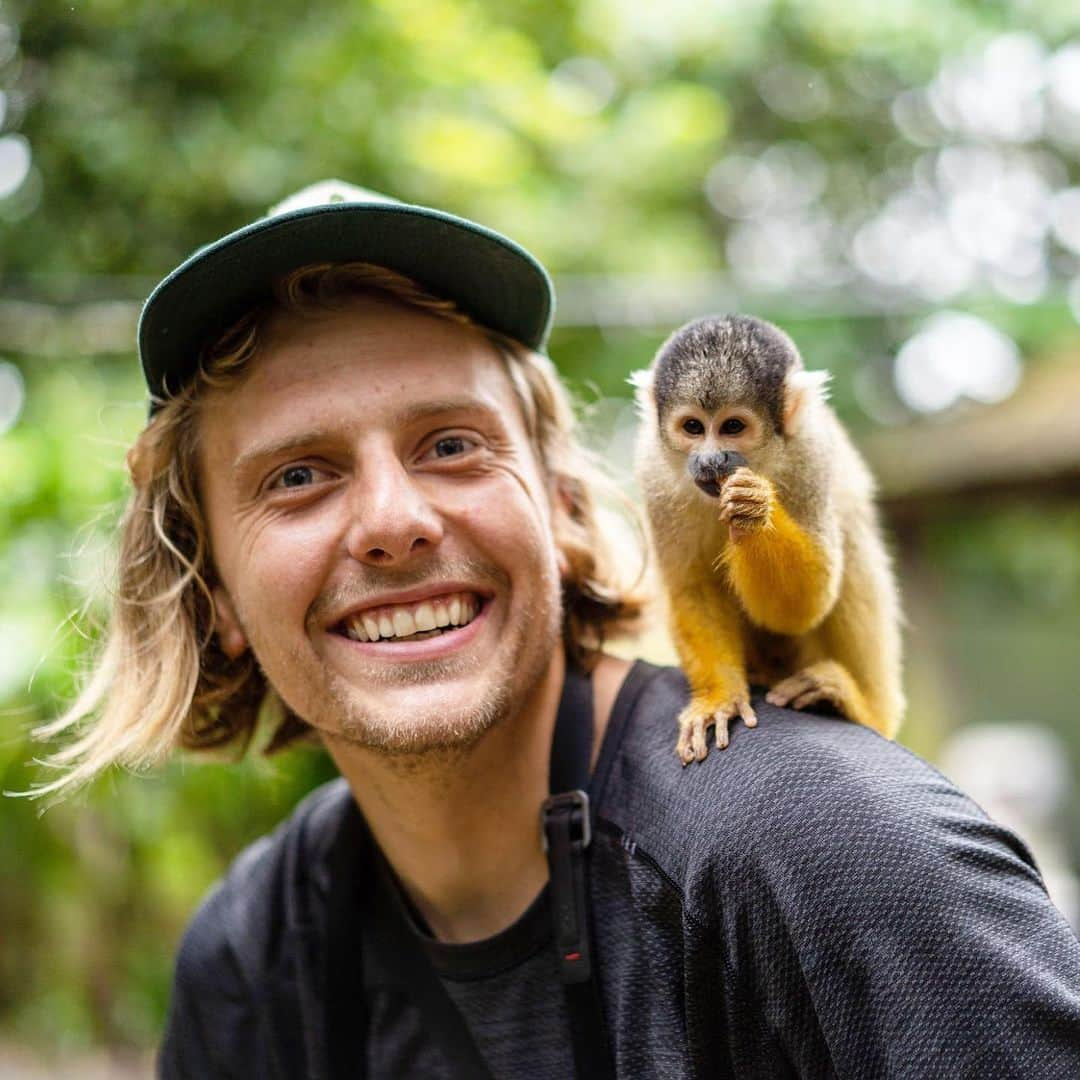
[1027,447]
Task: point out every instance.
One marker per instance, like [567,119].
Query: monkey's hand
[703,713]
[746,501]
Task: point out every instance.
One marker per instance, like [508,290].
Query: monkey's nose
[709,471]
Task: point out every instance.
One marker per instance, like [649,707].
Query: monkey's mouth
[709,471]
[710,487]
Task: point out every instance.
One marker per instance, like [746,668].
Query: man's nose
[392,518]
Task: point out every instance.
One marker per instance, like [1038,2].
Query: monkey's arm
[785,579]
[708,634]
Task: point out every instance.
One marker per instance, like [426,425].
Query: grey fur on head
[726,360]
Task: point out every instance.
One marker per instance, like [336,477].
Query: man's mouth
[412,622]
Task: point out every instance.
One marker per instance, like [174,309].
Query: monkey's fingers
[745,515]
[827,694]
[722,737]
[749,717]
[812,697]
[740,511]
[694,721]
[756,498]
[742,475]
[748,484]
[787,690]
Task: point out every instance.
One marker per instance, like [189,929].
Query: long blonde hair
[161,680]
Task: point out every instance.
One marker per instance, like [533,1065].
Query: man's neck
[461,828]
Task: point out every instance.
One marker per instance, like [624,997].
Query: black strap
[345,997]
[567,828]
[344,1003]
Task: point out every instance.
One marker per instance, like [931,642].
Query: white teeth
[405,620]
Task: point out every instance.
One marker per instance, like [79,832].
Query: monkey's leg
[825,681]
[708,635]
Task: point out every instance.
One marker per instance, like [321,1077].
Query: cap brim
[492,279]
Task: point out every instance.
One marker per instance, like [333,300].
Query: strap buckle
[571,806]
[567,833]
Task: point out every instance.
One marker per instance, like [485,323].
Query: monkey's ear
[642,382]
[801,387]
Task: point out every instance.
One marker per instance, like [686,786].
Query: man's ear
[230,633]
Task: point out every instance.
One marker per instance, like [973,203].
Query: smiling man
[360,515]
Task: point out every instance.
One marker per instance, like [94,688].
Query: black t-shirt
[815,901]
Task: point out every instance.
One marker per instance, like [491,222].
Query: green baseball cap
[493,280]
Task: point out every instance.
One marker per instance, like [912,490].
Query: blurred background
[898,185]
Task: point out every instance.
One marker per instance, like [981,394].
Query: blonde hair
[161,680]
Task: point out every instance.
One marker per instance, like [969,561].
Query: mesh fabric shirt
[815,901]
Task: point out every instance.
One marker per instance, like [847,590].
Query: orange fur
[779,574]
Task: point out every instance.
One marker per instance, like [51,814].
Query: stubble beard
[429,733]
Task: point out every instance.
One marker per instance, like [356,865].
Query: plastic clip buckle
[569,801]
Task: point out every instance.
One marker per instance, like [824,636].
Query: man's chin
[423,728]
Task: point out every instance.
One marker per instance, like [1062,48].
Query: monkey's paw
[702,714]
[746,502]
[814,685]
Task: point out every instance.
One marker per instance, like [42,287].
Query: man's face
[373,476]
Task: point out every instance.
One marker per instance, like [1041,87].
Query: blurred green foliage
[585,130]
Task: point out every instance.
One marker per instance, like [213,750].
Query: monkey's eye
[693,427]
[732,426]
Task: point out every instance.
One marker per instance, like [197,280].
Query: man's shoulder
[272,886]
[800,790]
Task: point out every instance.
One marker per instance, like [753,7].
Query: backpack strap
[567,832]
[566,818]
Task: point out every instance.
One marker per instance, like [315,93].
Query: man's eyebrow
[421,410]
[271,448]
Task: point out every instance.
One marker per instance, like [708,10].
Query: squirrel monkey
[762,517]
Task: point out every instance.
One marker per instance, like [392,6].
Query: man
[360,515]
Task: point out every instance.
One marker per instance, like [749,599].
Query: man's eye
[693,427]
[296,476]
[451,446]
[732,426]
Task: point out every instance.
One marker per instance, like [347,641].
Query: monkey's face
[715,443]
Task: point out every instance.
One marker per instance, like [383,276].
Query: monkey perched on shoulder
[762,517]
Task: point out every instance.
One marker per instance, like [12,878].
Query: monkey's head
[726,391]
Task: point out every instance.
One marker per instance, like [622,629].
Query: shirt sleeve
[885,927]
[210,1032]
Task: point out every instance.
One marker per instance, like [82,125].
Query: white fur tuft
[811,382]
[642,382]
[802,388]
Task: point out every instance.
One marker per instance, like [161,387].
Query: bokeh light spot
[14,163]
[956,356]
[12,395]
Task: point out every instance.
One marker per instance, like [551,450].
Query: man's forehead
[381,364]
